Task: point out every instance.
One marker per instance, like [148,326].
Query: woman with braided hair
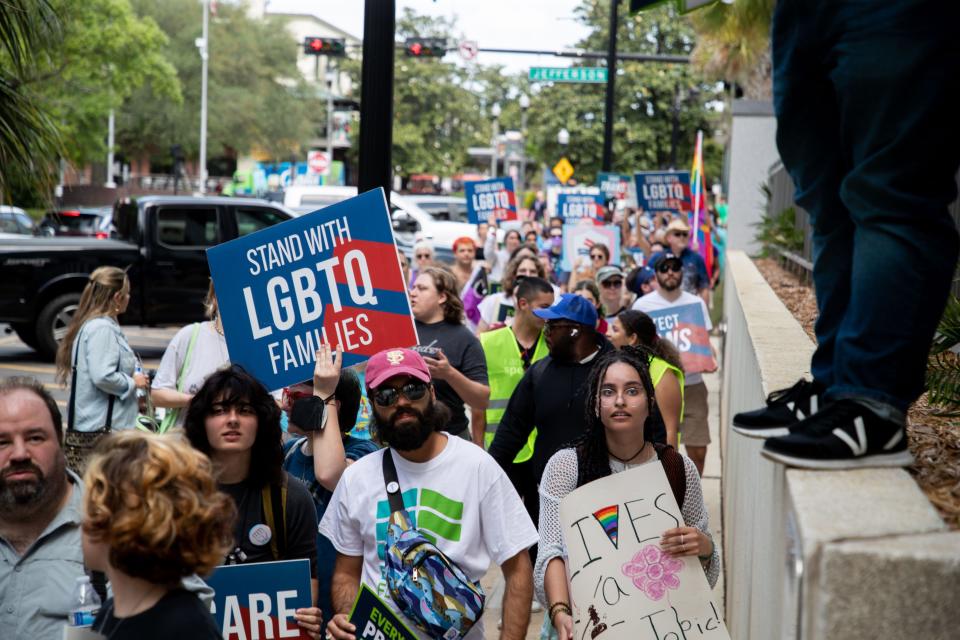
[635,328]
[619,403]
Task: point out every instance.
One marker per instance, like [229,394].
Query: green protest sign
[375,620]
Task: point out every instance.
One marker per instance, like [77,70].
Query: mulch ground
[934,437]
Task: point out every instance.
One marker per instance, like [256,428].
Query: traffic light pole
[607,160]
[204,55]
[376,96]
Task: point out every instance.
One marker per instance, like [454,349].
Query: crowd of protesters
[527,382]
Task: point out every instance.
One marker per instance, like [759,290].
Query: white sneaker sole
[899,459]
[764,433]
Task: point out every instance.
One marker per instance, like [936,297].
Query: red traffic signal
[318,46]
[425,47]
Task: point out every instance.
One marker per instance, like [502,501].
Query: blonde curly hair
[154,501]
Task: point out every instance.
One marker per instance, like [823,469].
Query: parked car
[95,222]
[442,208]
[160,240]
[410,221]
[14,220]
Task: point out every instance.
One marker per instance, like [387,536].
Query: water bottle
[86,603]
[141,393]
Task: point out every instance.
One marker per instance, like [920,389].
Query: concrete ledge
[893,587]
[807,553]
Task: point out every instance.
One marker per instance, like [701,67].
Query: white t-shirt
[209,354]
[461,497]
[653,301]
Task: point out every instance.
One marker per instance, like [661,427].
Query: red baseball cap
[395,362]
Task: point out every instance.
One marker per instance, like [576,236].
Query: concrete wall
[752,151]
[818,555]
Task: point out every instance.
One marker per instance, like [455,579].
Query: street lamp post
[524,105]
[495,112]
[203,44]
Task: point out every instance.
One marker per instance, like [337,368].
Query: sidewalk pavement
[493,582]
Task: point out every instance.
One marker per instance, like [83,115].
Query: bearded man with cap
[453,491]
[551,396]
[695,278]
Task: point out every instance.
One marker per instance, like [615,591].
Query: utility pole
[330,76]
[110,184]
[376,96]
[203,44]
[607,160]
[494,149]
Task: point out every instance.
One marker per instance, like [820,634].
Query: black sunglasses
[553,325]
[677,268]
[682,234]
[611,284]
[388,396]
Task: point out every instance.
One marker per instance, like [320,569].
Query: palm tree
[29,138]
[734,44]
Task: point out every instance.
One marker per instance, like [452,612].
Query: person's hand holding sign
[326,373]
[563,623]
[310,620]
[686,541]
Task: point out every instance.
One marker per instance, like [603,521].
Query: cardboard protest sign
[375,620]
[621,585]
[578,207]
[579,238]
[494,197]
[664,191]
[329,276]
[686,328]
[259,600]
[614,185]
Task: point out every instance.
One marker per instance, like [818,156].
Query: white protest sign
[621,585]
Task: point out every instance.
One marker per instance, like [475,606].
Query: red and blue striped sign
[329,276]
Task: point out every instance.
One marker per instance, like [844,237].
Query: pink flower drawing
[653,572]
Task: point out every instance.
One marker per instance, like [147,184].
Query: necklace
[626,460]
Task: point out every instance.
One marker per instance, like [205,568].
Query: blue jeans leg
[888,72]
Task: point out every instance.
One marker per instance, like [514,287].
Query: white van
[410,222]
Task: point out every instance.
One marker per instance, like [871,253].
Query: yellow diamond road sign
[563,170]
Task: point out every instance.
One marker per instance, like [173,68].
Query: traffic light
[317,46]
[425,47]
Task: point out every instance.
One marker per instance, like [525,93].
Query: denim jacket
[105,365]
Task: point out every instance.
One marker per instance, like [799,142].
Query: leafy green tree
[29,138]
[734,44]
[258,103]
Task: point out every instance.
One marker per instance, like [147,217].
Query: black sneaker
[845,435]
[785,408]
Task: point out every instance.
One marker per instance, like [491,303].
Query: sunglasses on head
[388,396]
[672,266]
[611,284]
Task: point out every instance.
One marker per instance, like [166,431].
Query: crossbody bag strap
[109,424]
[73,380]
[395,497]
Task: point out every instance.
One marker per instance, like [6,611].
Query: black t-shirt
[178,614]
[301,525]
[465,354]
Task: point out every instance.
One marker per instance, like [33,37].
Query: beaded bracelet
[558,606]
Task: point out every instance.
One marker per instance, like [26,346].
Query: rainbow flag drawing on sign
[609,519]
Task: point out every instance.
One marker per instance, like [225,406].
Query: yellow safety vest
[504,371]
[658,367]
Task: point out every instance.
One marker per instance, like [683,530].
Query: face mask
[556,242]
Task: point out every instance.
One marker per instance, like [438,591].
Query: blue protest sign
[685,326]
[573,207]
[259,600]
[613,185]
[578,239]
[494,197]
[664,191]
[329,276]
[375,620]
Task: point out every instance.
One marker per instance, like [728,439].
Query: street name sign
[568,74]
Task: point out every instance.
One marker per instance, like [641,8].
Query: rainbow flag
[609,519]
[701,223]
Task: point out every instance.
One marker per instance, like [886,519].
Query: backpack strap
[182,378]
[272,495]
[675,469]
[390,477]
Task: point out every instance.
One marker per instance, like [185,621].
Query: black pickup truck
[162,241]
